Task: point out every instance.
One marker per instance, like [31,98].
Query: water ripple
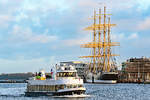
[97,92]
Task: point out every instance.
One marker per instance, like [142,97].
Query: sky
[37,34]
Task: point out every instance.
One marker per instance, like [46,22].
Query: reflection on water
[97,91]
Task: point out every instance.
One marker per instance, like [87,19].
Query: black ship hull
[104,78]
[109,76]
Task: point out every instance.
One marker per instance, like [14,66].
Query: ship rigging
[102,59]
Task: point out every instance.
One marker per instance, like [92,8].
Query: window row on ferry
[52,87]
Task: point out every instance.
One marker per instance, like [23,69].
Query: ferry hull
[73,96]
[35,94]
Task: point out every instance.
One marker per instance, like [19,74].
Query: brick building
[135,70]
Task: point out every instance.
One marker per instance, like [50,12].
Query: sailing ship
[65,83]
[102,64]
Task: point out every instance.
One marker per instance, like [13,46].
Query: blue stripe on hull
[35,94]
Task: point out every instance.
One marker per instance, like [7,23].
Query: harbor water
[15,91]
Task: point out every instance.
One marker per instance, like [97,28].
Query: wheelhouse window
[66,74]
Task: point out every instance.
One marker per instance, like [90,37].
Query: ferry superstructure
[65,82]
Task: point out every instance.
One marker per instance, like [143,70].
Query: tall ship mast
[102,60]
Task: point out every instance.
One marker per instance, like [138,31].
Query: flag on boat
[51,71]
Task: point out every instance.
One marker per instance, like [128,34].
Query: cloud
[138,5]
[7,11]
[118,37]
[5,20]
[144,25]
[26,35]
[42,7]
[87,3]
[77,41]
[26,65]
[143,4]
[133,36]
[85,38]
[124,37]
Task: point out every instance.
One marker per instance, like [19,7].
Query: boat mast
[94,41]
[108,50]
[99,42]
[104,41]
[101,48]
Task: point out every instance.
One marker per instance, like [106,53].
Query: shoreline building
[135,70]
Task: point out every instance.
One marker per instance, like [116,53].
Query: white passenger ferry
[65,83]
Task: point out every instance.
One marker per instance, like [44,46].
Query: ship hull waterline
[105,78]
[102,81]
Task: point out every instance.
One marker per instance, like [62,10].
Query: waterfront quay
[134,70]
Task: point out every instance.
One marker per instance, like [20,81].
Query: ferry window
[61,87]
[74,86]
[45,87]
[65,86]
[68,74]
[61,74]
[56,87]
[71,86]
[80,86]
[74,74]
[52,88]
[68,86]
[64,75]
[57,74]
